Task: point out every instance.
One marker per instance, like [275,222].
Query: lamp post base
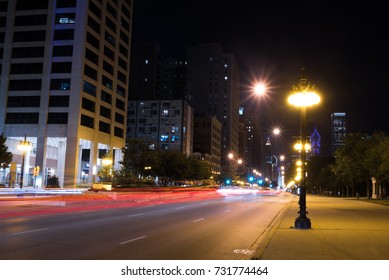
[302,223]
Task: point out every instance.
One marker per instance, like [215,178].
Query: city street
[216,227]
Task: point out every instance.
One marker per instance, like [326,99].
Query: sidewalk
[342,229]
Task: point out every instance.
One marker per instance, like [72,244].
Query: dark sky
[342,46]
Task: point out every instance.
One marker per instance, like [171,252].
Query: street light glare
[260,89]
[304,99]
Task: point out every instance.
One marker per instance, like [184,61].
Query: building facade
[338,130]
[163,124]
[207,141]
[64,84]
[214,83]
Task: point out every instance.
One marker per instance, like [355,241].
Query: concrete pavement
[342,229]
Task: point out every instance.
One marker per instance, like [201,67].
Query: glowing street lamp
[303,97]
[24,146]
[260,89]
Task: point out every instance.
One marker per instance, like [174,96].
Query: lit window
[165,112]
[164,138]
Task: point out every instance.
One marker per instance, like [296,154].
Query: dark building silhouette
[214,82]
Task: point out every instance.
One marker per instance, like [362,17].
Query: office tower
[207,140]
[254,148]
[315,143]
[154,76]
[338,130]
[214,84]
[163,124]
[159,108]
[64,83]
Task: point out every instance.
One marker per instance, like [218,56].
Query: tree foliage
[5,156]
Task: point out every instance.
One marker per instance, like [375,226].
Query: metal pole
[22,171]
[302,221]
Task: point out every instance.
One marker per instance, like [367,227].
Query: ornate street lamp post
[303,97]
[24,146]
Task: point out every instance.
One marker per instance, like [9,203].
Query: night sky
[342,47]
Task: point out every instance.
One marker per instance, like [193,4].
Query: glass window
[119,118]
[22,118]
[25,85]
[89,88]
[63,51]
[30,20]
[60,84]
[66,3]
[59,101]
[23,101]
[90,72]
[23,5]
[91,56]
[106,97]
[64,34]
[104,127]
[69,18]
[30,36]
[26,68]
[57,118]
[107,82]
[92,40]
[88,104]
[119,132]
[105,112]
[61,67]
[87,121]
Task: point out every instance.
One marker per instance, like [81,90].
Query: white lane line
[228,210]
[131,240]
[136,215]
[29,231]
[198,220]
[181,207]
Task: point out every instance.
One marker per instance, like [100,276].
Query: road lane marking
[131,240]
[198,220]
[29,231]
[181,207]
[228,210]
[136,215]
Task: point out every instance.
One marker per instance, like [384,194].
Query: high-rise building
[154,76]
[338,130]
[214,83]
[64,83]
[315,140]
[163,124]
[253,148]
[206,140]
[159,109]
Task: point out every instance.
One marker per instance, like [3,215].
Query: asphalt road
[217,228]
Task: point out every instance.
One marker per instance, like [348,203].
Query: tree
[137,156]
[349,165]
[5,156]
[197,169]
